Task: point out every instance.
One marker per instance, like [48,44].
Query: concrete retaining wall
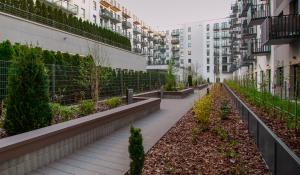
[24,153]
[19,30]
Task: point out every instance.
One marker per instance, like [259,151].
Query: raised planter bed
[178,94]
[23,153]
[202,86]
[278,156]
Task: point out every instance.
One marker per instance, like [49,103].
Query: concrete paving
[109,155]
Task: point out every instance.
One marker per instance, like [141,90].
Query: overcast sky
[166,13]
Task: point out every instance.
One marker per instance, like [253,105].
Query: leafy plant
[170,78]
[190,80]
[224,110]
[221,133]
[86,107]
[67,113]
[136,151]
[202,110]
[28,95]
[113,102]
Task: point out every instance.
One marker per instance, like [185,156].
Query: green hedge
[55,17]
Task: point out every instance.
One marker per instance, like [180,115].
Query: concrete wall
[26,32]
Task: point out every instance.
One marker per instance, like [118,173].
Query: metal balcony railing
[106,14]
[257,14]
[255,47]
[280,29]
[175,33]
[175,41]
[136,30]
[244,7]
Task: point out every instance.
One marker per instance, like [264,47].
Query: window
[189,52]
[181,61]
[207,69]
[207,60]
[189,45]
[224,68]
[207,52]
[189,37]
[94,5]
[224,60]
[207,27]
[207,45]
[82,12]
[94,19]
[189,29]
[189,60]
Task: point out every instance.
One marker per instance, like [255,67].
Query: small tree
[170,78]
[136,151]
[28,95]
[190,80]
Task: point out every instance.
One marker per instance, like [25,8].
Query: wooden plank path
[109,155]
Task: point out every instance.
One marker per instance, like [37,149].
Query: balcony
[144,34]
[175,48]
[216,53]
[175,33]
[216,28]
[126,25]
[106,14]
[144,43]
[216,36]
[280,29]
[66,6]
[246,60]
[105,3]
[225,35]
[137,50]
[137,30]
[257,14]
[256,48]
[116,18]
[136,40]
[244,8]
[248,32]
[175,41]
[176,56]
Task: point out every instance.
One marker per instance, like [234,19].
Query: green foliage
[190,80]
[202,109]
[6,51]
[94,31]
[86,107]
[136,151]
[113,102]
[221,133]
[224,110]
[180,86]
[67,113]
[28,96]
[170,78]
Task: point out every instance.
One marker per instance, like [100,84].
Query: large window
[189,29]
[189,37]
[208,69]
[189,52]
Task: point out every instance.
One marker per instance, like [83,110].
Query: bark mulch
[277,122]
[225,148]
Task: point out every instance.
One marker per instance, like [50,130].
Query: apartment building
[269,47]
[111,15]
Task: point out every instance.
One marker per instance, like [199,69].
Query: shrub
[113,102]
[202,110]
[67,113]
[136,151]
[170,78]
[180,86]
[86,107]
[28,95]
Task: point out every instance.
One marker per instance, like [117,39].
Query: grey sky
[166,13]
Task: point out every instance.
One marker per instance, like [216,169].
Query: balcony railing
[137,30]
[255,47]
[175,48]
[257,14]
[106,14]
[280,29]
[126,25]
[175,41]
[64,5]
[175,33]
[245,7]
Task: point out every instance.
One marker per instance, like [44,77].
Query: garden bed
[55,142]
[277,122]
[224,148]
[178,94]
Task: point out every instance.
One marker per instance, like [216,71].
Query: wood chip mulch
[276,122]
[181,151]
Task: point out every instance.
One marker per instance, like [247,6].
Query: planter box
[280,159]
[178,94]
[24,153]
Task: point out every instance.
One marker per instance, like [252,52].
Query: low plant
[224,110]
[113,102]
[195,132]
[221,133]
[180,86]
[86,107]
[136,151]
[202,110]
[67,113]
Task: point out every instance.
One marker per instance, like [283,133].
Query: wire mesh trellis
[70,84]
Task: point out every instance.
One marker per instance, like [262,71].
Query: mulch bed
[181,151]
[277,124]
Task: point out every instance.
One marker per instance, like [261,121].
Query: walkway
[109,155]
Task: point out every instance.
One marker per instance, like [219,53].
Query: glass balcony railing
[64,5]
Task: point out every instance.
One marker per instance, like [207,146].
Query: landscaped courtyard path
[109,155]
